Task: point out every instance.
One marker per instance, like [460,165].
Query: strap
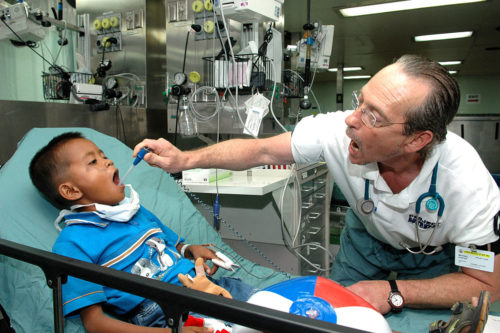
[394,286]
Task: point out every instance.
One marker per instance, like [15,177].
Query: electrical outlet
[182,10]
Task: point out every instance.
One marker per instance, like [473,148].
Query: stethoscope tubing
[366,207]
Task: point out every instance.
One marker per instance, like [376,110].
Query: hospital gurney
[27,219]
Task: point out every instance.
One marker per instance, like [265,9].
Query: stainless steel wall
[483,133]
[143,48]
[197,49]
[17,118]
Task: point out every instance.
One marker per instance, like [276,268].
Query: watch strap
[394,286]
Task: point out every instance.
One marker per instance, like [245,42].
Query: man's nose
[354,119]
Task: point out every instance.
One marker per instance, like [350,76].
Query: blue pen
[138,158]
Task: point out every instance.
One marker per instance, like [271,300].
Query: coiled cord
[234,231]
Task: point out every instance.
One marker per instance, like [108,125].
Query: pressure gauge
[180,78]
[111,83]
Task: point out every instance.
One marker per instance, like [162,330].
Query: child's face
[92,173]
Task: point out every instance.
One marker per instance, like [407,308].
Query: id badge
[475,259]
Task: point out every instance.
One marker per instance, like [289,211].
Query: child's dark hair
[46,164]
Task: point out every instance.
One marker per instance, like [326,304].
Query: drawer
[319,197]
[314,218]
[316,256]
[308,201]
[319,182]
[307,188]
[313,235]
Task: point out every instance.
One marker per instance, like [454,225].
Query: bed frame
[56,269]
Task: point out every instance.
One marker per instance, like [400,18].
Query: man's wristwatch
[396,300]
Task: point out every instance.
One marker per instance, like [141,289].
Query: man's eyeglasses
[367,116]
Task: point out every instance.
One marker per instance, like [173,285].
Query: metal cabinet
[261,204]
[314,220]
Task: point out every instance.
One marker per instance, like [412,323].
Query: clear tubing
[126,174]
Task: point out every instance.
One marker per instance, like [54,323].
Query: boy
[106,228]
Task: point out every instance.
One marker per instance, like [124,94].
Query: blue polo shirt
[126,246]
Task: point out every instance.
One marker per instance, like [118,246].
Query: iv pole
[305,104]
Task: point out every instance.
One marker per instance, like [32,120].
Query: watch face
[396,300]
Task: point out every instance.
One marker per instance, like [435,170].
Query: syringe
[138,158]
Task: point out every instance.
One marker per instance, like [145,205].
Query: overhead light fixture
[450,35]
[347,69]
[450,63]
[399,6]
[357,77]
[453,72]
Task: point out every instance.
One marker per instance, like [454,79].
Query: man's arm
[439,292]
[96,321]
[235,154]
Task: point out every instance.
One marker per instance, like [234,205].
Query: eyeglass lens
[367,116]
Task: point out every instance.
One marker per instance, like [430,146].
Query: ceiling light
[450,35]
[453,72]
[400,5]
[346,69]
[450,63]
[357,77]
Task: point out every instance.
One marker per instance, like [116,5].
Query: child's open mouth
[116,178]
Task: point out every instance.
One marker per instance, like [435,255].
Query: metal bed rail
[175,301]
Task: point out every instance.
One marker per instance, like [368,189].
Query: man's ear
[418,141]
[69,191]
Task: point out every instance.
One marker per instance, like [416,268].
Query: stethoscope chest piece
[432,204]
[365,206]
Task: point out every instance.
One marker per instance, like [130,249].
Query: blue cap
[141,154]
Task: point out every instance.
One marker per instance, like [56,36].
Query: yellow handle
[194,77]
[97,24]
[208,5]
[208,27]
[197,6]
[114,22]
[105,23]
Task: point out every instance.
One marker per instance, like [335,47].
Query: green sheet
[26,218]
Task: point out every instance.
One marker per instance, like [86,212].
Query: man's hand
[163,155]
[374,292]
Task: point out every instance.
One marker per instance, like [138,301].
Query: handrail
[57,268]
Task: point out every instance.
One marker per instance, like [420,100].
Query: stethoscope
[366,206]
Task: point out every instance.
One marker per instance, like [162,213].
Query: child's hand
[201,282]
[200,251]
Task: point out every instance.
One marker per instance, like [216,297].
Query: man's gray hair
[441,105]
